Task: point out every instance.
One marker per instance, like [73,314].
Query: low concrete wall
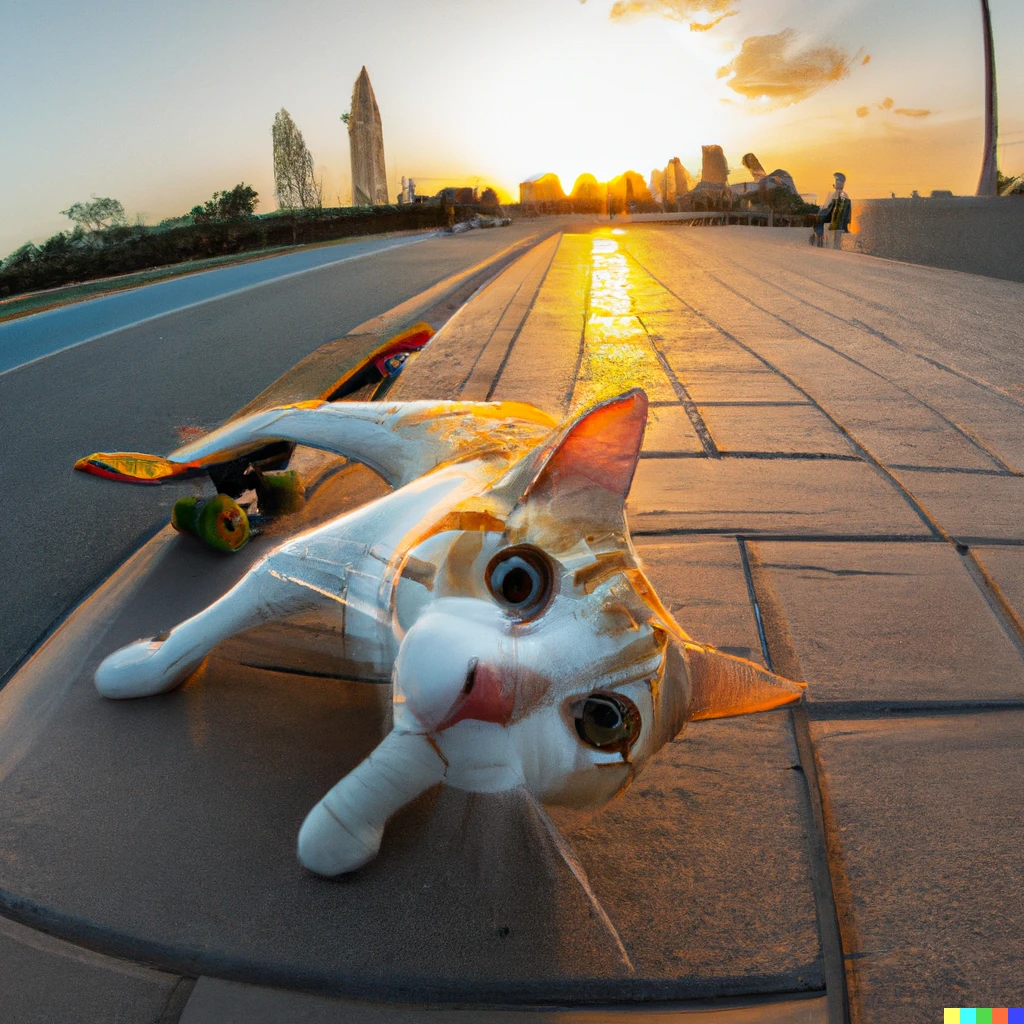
[979,236]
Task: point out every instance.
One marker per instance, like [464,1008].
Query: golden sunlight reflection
[617,354]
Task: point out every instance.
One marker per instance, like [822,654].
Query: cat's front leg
[343,832]
[148,667]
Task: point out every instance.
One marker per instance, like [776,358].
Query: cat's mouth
[484,697]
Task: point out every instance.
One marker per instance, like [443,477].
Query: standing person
[836,213]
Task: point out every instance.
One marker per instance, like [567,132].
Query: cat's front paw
[329,848]
[141,669]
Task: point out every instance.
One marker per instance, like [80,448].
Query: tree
[240,202]
[294,182]
[96,214]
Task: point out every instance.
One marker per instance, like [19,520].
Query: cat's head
[533,648]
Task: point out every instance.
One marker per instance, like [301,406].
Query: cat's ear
[721,686]
[587,470]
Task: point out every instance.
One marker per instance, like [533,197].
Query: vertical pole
[987,181]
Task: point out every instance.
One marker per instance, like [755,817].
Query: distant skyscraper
[366,145]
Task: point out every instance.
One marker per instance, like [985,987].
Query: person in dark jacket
[835,213]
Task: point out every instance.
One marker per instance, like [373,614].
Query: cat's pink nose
[485,697]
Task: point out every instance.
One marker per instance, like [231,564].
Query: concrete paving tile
[482,377]
[894,426]
[1006,567]
[702,583]
[718,824]
[455,352]
[687,359]
[226,1002]
[923,824]
[43,980]
[781,496]
[966,319]
[792,429]
[617,356]
[541,367]
[669,430]
[969,505]
[706,351]
[739,386]
[888,622]
[666,319]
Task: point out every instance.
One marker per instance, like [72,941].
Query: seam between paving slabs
[689,405]
[1004,614]
[583,335]
[979,382]
[810,538]
[780,655]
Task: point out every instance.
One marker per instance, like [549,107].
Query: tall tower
[366,146]
[987,181]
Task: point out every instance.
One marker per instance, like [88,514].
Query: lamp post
[987,181]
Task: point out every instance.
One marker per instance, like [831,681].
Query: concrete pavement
[831,484]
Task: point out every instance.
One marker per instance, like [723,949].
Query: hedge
[70,259]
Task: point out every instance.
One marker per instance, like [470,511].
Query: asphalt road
[53,330]
[62,532]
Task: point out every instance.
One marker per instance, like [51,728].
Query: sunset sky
[160,105]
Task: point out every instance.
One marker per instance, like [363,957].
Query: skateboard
[348,369]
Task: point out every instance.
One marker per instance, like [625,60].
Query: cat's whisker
[565,851]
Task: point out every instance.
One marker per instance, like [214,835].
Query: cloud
[772,68]
[704,26]
[889,104]
[683,11]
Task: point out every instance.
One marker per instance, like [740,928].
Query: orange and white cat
[496,586]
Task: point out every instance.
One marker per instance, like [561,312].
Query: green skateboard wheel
[220,522]
[280,493]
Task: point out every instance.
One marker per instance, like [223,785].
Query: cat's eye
[607,721]
[521,580]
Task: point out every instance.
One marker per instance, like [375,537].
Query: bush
[240,202]
[67,259]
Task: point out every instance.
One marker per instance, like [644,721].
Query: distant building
[629,187]
[541,188]
[588,189]
[366,146]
